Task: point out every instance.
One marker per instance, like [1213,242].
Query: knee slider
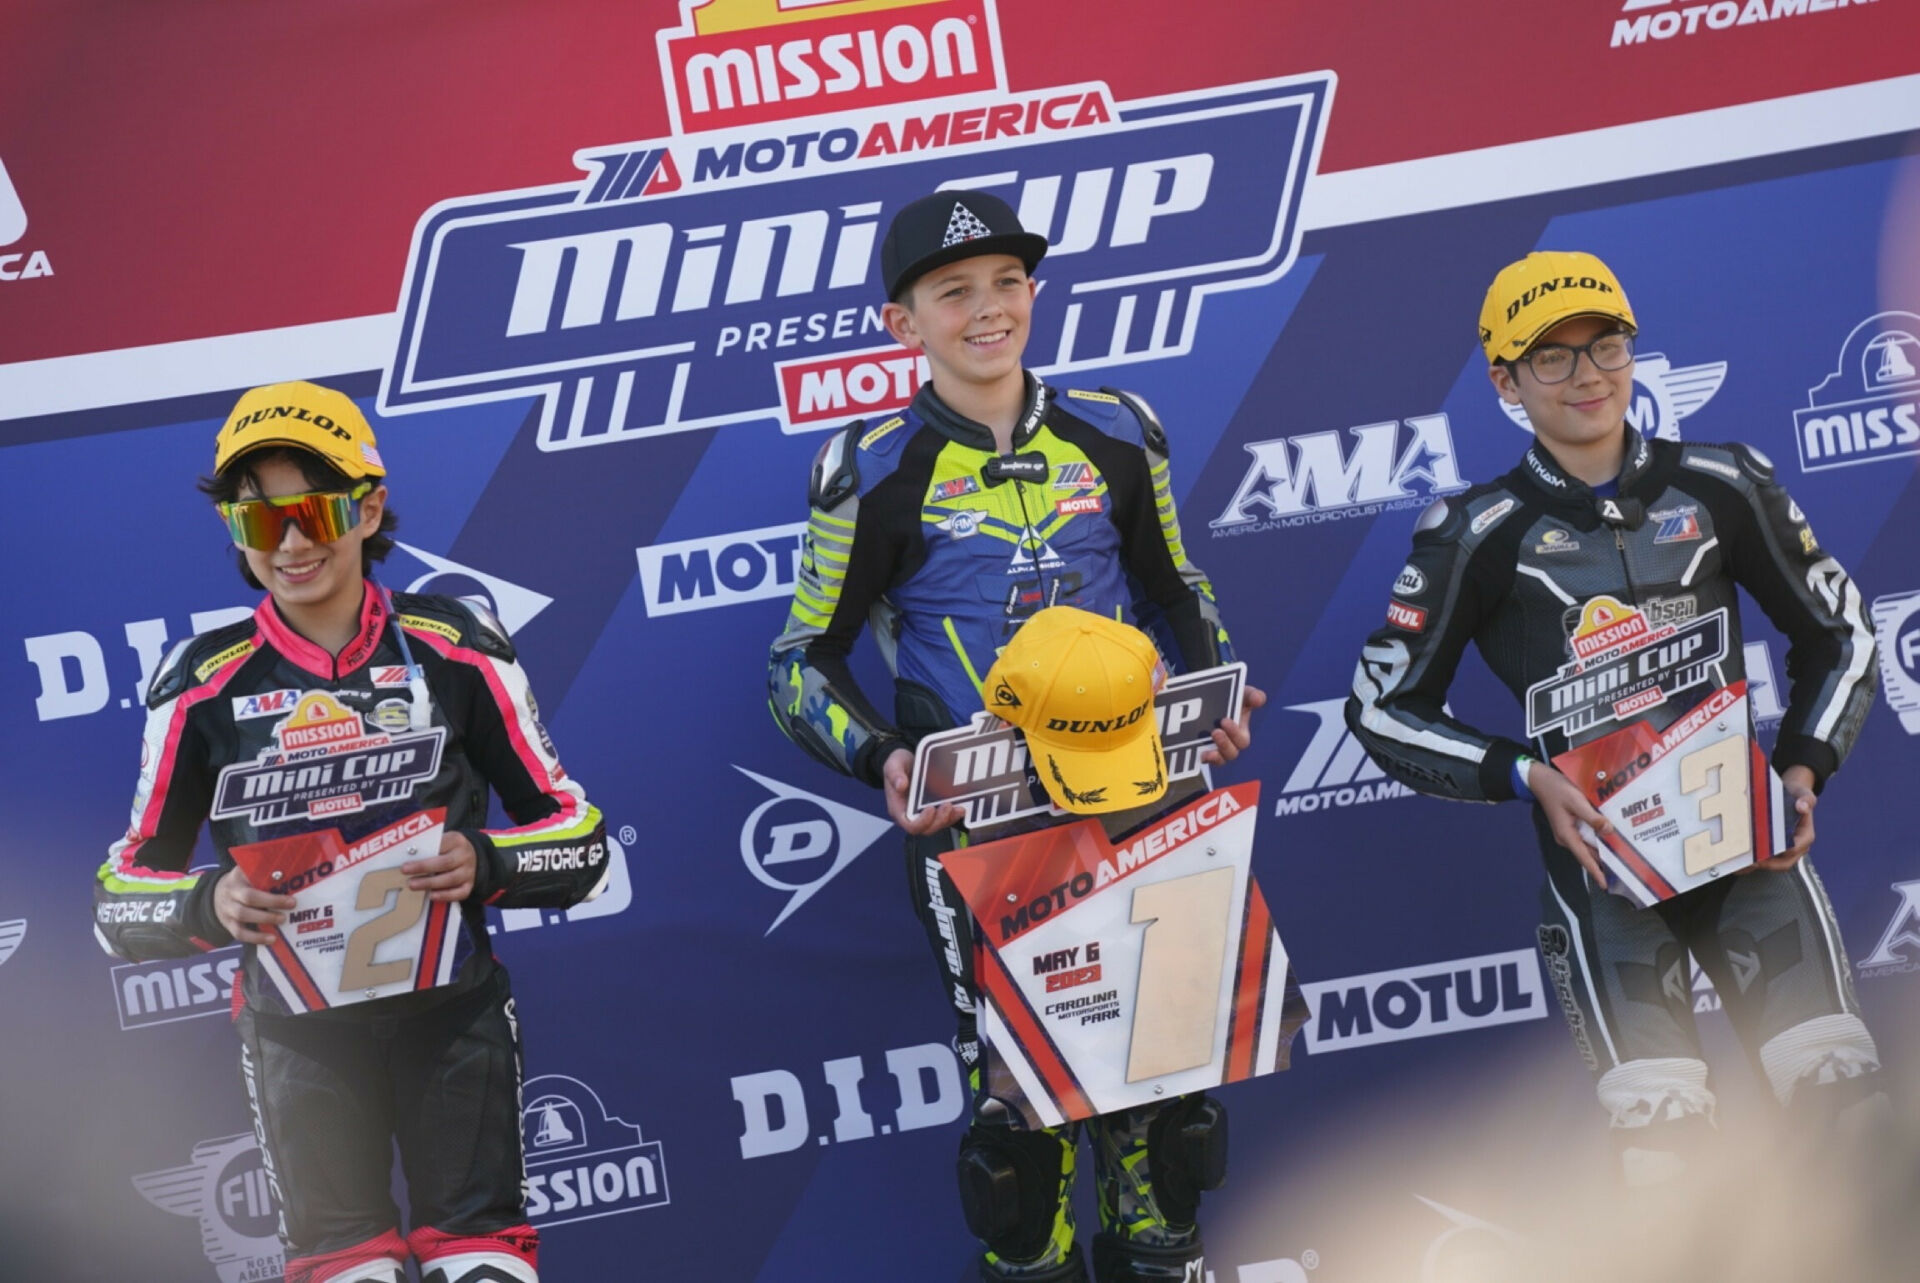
[1661,1115]
[1187,1150]
[1116,1260]
[1010,1188]
[1828,1054]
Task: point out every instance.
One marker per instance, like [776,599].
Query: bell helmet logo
[226,1187]
[1663,394]
[797,842]
[582,1162]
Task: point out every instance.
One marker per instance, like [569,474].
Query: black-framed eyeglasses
[1555,362]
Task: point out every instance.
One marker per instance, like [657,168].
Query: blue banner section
[737,1058]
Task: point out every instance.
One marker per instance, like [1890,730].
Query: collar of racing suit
[1561,489]
[953,425]
[315,658]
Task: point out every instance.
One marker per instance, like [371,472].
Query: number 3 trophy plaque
[1128,958]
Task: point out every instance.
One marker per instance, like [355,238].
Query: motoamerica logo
[1335,770]
[225,1186]
[657,294]
[326,761]
[1632,672]
[1297,481]
[1663,394]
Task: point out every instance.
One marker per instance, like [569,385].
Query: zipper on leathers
[1620,542]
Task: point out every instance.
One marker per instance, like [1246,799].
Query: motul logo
[817,57]
[827,391]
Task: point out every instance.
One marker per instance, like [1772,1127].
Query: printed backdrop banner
[602,279]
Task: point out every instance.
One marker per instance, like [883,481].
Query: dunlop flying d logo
[668,289]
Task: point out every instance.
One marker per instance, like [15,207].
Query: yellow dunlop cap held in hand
[1082,689]
[305,415]
[1530,297]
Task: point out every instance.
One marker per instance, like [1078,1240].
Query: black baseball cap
[947,227]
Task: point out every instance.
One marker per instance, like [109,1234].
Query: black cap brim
[1025,246]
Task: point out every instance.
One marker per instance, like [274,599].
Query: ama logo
[225,1186]
[1303,480]
[797,842]
[582,1162]
[1868,408]
[668,289]
[1663,394]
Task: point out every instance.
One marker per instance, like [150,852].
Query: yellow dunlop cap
[1082,687]
[304,415]
[1530,297]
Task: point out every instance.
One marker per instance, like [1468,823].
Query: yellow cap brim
[344,459]
[1572,313]
[1096,781]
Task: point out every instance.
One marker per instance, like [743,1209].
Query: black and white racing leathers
[258,733]
[1518,566]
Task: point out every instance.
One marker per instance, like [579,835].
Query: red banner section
[183,171]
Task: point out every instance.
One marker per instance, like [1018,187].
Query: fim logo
[1890,957]
[720,570]
[797,842]
[1417,1002]
[226,1188]
[11,934]
[159,993]
[582,1162]
[1896,621]
[1335,770]
[1868,408]
[1663,394]
[1305,480]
